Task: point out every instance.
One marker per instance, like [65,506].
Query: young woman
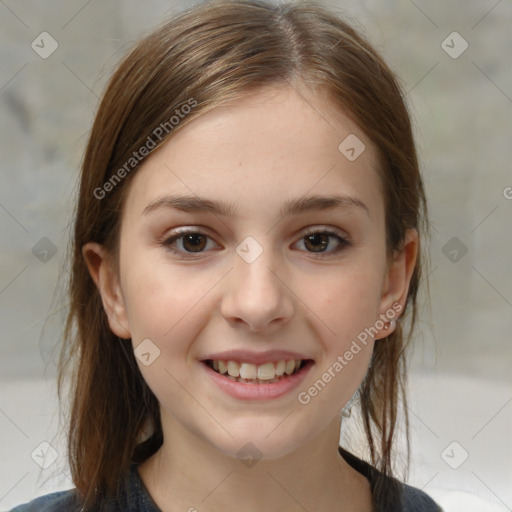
[246,238]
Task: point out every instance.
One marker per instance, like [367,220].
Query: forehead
[261,150]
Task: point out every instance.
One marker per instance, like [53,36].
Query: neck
[188,473]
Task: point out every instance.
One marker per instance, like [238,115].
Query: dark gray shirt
[389,495]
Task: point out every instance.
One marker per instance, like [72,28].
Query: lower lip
[248,391]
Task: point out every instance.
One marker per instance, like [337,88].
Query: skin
[262,149]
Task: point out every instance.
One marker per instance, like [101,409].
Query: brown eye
[194,242]
[319,241]
[191,242]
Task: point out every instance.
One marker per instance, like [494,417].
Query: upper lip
[245,356]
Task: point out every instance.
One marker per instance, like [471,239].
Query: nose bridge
[256,295]
[253,268]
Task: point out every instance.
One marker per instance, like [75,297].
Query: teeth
[280,367]
[290,366]
[249,371]
[266,371]
[233,368]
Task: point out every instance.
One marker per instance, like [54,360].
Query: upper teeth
[267,371]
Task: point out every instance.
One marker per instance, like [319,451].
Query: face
[253,284]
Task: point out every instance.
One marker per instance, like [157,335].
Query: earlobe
[104,276]
[397,281]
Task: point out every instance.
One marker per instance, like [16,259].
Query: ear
[397,280]
[102,272]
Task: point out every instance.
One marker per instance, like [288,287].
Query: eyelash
[343,242]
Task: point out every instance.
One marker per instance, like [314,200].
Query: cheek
[349,300]
[167,308]
[164,302]
[155,306]
[348,304]
[348,307]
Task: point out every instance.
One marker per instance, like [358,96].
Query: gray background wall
[463,117]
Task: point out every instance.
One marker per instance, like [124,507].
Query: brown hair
[214,53]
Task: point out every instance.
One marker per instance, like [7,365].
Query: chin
[260,440]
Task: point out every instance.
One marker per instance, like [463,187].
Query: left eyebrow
[292,206]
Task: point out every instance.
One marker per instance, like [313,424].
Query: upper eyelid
[344,239]
[205,231]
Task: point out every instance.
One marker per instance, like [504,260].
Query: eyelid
[344,240]
[326,228]
[319,228]
[179,233]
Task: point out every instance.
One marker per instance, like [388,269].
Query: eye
[191,241]
[317,241]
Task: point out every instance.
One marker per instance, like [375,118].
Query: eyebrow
[196,204]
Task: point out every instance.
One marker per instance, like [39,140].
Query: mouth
[249,373]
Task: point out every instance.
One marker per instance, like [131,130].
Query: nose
[257,295]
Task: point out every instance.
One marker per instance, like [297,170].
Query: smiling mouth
[249,373]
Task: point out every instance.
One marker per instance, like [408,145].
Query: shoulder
[389,493]
[131,497]
[392,494]
[61,501]
[415,500]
